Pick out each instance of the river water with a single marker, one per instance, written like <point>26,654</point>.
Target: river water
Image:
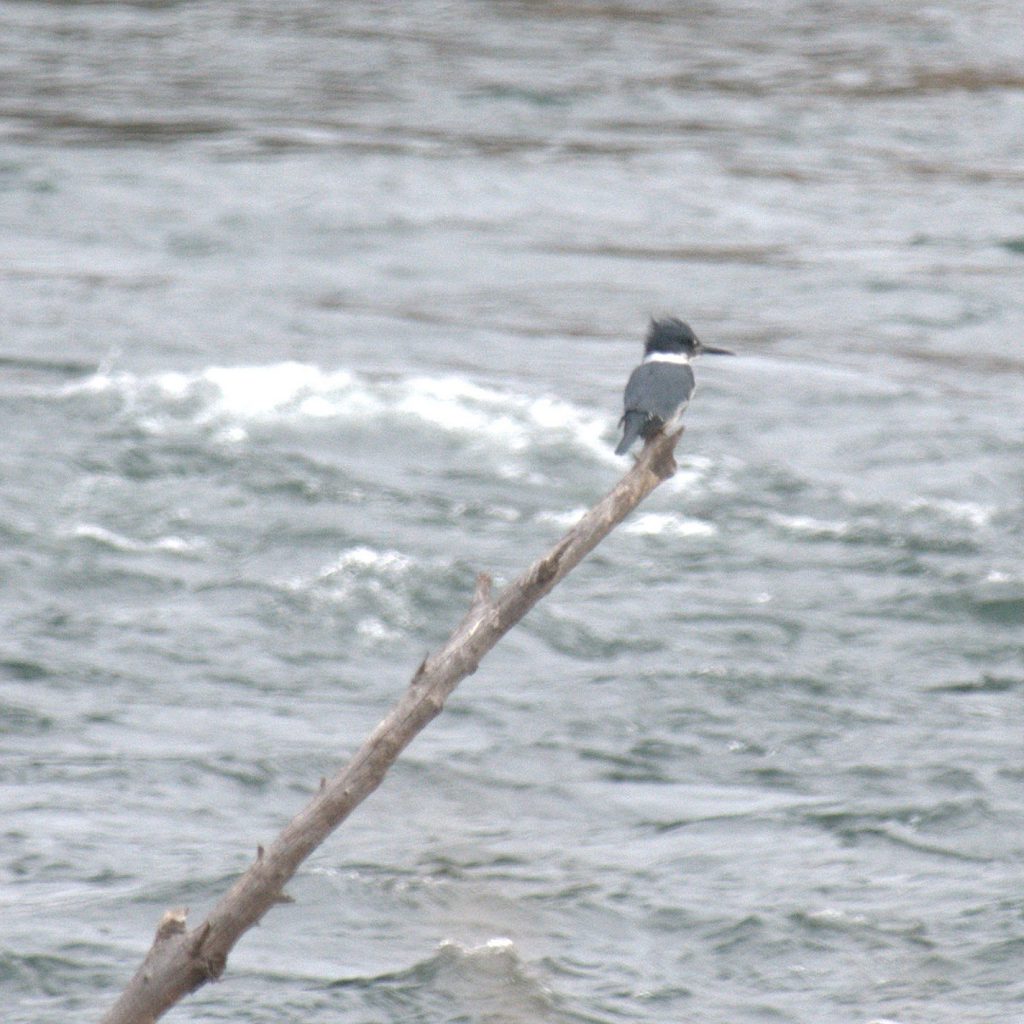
<point>312,311</point>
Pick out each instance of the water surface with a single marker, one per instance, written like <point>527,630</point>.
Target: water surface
<point>311,313</point>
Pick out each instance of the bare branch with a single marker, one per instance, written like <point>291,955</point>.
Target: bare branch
<point>180,961</point>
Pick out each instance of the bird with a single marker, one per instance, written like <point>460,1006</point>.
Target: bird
<point>659,389</point>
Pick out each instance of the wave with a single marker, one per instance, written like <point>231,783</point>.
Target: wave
<point>490,981</point>
<point>108,538</point>
<point>648,524</point>
<point>918,524</point>
<point>968,513</point>
<point>563,520</point>
<point>997,600</point>
<point>385,592</point>
<point>230,400</point>
<point>387,563</point>
<point>654,524</point>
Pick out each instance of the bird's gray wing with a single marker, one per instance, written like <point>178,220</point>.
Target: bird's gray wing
<point>659,389</point>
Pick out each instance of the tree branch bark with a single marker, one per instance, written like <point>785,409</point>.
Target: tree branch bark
<point>182,960</point>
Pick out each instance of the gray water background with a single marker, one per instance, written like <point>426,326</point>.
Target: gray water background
<point>310,312</point>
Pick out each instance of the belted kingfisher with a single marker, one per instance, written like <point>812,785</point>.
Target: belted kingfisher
<point>659,389</point>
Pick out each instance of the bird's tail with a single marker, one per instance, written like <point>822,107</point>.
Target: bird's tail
<point>632,424</point>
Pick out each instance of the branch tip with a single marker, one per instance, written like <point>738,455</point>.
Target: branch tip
<point>419,673</point>
<point>200,937</point>
<point>482,593</point>
<point>547,569</point>
<point>172,923</point>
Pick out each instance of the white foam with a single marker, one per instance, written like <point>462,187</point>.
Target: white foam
<point>231,435</point>
<point>832,917</point>
<point>98,382</point>
<point>239,393</point>
<point>562,519</point>
<point>460,418</point>
<point>515,421</point>
<point>504,513</point>
<point>996,576</point>
<point>376,631</point>
<point>969,512</point>
<point>367,581</point>
<point>174,385</point>
<point>259,392</point>
<point>229,399</point>
<point>692,474</point>
<point>653,524</point>
<point>317,407</point>
<point>362,559</point>
<point>808,525</point>
<point>499,945</point>
<point>100,534</point>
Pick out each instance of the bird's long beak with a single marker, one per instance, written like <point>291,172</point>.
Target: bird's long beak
<point>710,350</point>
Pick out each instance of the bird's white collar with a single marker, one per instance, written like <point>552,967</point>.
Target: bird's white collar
<point>667,357</point>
